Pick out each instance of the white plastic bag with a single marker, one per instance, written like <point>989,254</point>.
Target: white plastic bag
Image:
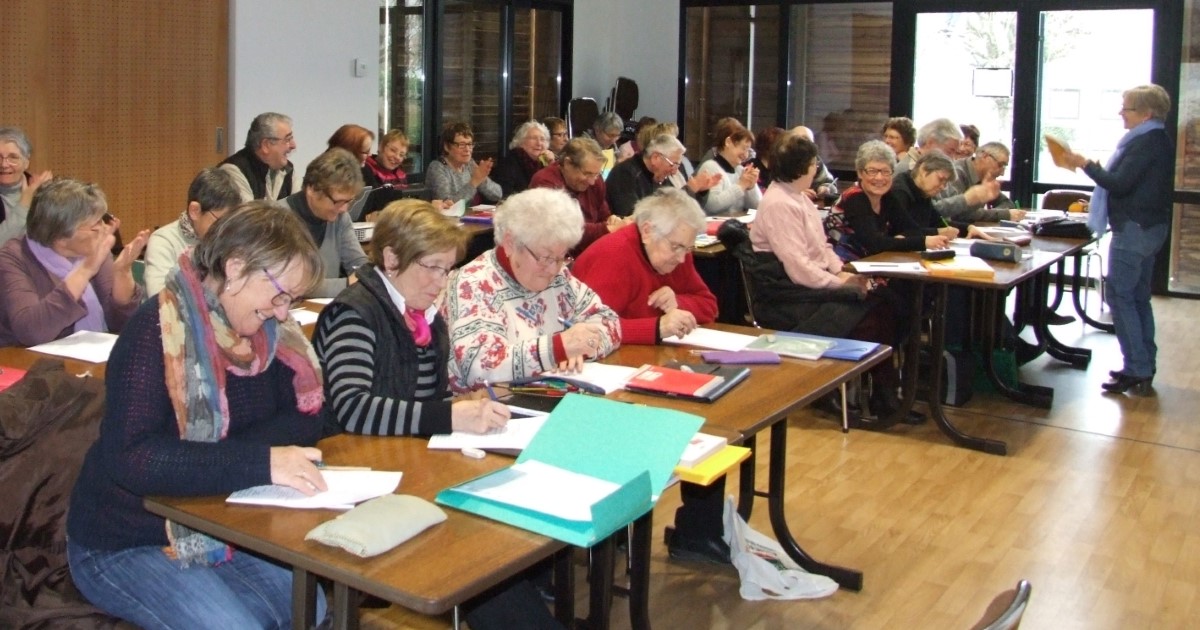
<point>766,571</point>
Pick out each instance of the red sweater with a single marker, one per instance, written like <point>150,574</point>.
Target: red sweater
<point>617,269</point>
<point>593,202</point>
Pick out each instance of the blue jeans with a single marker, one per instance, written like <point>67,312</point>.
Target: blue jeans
<point>143,586</point>
<point>1127,287</point>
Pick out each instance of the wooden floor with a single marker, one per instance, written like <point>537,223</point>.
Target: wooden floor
<point>1097,505</point>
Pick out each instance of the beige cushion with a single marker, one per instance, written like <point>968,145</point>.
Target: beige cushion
<point>377,525</point>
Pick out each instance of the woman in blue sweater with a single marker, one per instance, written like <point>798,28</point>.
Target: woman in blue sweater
<point>1133,195</point>
<point>211,388</point>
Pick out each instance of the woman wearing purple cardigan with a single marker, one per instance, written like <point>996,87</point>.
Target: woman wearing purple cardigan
<point>60,278</point>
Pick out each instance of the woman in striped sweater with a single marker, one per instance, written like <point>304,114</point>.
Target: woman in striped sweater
<point>383,345</point>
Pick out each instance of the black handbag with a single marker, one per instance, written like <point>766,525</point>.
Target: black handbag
<point>1063,228</point>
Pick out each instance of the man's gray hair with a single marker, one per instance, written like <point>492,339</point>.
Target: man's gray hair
<point>609,122</point>
<point>874,151</point>
<point>263,128</point>
<point>16,136</point>
<point>663,144</point>
<point>540,216</point>
<point>666,209</point>
<point>524,129</point>
<point>938,132</point>
<point>993,147</point>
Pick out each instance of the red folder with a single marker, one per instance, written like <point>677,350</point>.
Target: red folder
<point>665,380</point>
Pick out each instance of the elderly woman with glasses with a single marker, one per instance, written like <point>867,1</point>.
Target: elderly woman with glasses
<point>386,167</point>
<point>516,310</point>
<point>331,182</point>
<point>218,390</point>
<point>914,191</point>
<point>382,343</point>
<point>17,185</point>
<point>528,153</point>
<point>456,176</point>
<point>867,219</point>
<point>60,278</point>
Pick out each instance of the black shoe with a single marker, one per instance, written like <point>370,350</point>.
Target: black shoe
<point>1116,373</point>
<point>690,549</point>
<point>1054,319</point>
<point>1122,383</point>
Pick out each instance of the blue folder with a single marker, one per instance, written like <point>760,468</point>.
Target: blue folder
<point>845,349</point>
<point>633,446</point>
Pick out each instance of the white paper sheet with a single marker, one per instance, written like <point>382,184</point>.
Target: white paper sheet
<point>609,378</point>
<point>84,345</point>
<point>515,435</point>
<point>713,339</point>
<point>304,317</point>
<point>325,301</point>
<point>346,487</point>
<point>875,267</point>
<point>537,486</point>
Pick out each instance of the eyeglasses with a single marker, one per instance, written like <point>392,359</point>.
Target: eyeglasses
<point>558,134</point>
<point>288,139</point>
<point>1003,164</point>
<point>1128,109</point>
<point>877,172</point>
<point>438,272</point>
<point>680,248</point>
<point>283,298</point>
<point>673,163</point>
<point>547,261</point>
<point>11,159</point>
<point>462,145</point>
<point>337,203</point>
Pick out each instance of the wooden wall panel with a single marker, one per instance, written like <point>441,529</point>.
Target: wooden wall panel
<point>125,93</point>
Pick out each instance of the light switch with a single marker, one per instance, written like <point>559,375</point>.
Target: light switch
<point>360,68</point>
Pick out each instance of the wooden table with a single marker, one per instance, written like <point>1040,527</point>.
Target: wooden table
<point>1031,275</point>
<point>763,401</point>
<point>439,569</point>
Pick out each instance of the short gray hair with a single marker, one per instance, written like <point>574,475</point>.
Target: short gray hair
<point>666,209</point>
<point>663,144</point>
<point>16,136</point>
<point>993,147</point>
<point>1150,98</point>
<point>524,129</point>
<point>263,128</point>
<point>874,151</point>
<point>934,161</point>
<point>938,131</point>
<point>609,122</point>
<point>581,148</point>
<point>541,216</point>
<point>213,189</point>
<point>60,206</point>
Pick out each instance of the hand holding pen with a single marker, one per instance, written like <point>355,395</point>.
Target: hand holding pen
<point>479,415</point>
<point>581,339</point>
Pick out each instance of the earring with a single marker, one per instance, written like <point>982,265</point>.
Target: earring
<point>226,286</point>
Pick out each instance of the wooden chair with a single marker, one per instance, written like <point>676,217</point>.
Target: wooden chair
<point>1006,609</point>
<point>581,113</point>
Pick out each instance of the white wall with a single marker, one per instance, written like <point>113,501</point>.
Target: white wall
<point>638,39</point>
<point>296,57</point>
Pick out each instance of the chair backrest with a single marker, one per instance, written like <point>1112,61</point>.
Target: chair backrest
<point>1061,199</point>
<point>581,113</point>
<point>624,98</point>
<point>1006,610</point>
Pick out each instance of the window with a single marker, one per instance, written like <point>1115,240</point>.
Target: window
<point>402,76</point>
<point>537,66</point>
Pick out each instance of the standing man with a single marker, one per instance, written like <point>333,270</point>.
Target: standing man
<point>261,169</point>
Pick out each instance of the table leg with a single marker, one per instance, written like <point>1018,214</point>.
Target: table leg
<point>304,599</point>
<point>564,587</point>
<point>1076,276</point>
<point>847,578</point>
<point>639,571</point>
<point>1076,357</point>
<point>937,343</point>
<point>600,584</point>
<point>992,312</point>
<point>345,607</point>
<point>746,490</point>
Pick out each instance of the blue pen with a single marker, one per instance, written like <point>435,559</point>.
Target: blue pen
<point>490,391</point>
<point>567,323</point>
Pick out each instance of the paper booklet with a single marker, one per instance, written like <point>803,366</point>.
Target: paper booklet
<point>346,488</point>
<point>793,346</point>
<point>1059,148</point>
<point>960,267</point>
<point>711,338</point>
<point>595,378</point>
<point>85,345</point>
<point>515,436</point>
<point>704,382</point>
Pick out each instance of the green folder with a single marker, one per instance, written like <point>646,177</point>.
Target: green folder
<point>633,446</point>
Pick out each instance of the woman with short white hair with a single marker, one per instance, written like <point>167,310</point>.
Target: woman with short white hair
<point>516,310</point>
<point>528,153</point>
<point>16,184</point>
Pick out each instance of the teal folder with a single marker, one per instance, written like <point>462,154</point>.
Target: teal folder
<point>633,446</point>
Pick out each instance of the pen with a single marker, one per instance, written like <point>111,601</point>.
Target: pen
<point>491,392</point>
<point>567,323</point>
<point>323,466</point>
